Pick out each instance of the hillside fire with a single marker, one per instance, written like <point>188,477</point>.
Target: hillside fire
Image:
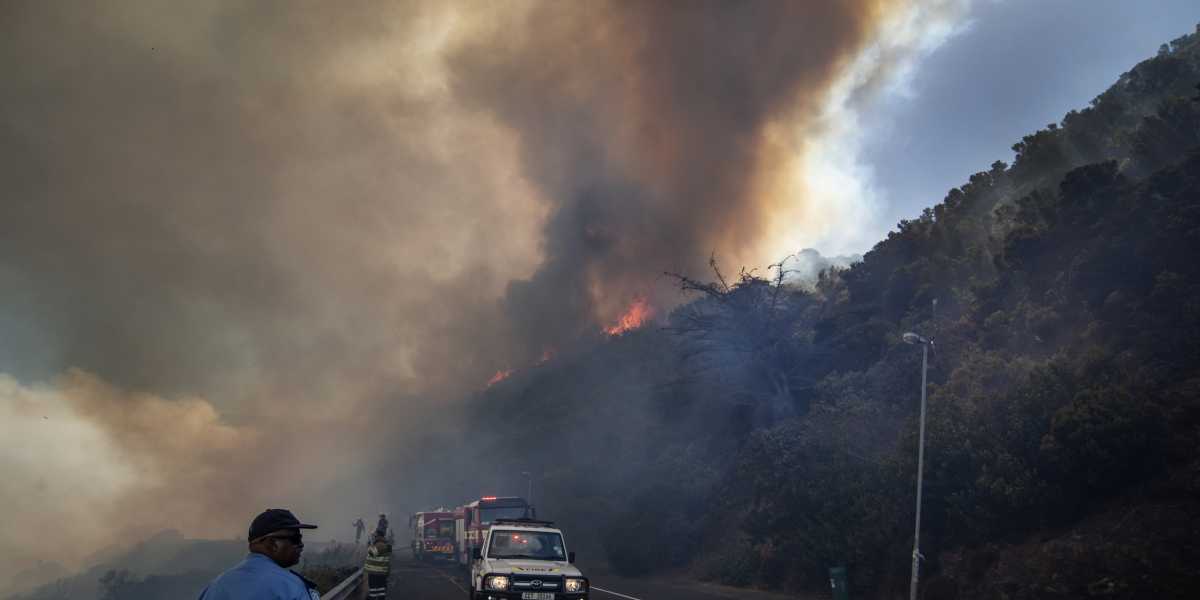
<point>638,314</point>
<point>499,376</point>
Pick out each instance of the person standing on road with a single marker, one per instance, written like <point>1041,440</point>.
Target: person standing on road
<point>381,528</point>
<point>377,568</point>
<point>359,527</point>
<point>275,544</point>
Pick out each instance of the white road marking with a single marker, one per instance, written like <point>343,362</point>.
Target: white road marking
<point>450,579</point>
<point>600,589</point>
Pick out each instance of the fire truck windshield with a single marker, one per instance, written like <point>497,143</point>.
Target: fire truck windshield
<point>535,545</point>
<point>442,528</point>
<point>487,515</point>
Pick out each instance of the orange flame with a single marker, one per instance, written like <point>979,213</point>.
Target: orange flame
<point>499,376</point>
<point>547,354</point>
<point>639,313</point>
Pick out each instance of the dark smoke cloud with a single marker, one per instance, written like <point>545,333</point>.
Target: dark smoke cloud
<point>647,126</point>
<point>310,223</point>
<point>254,209</point>
<point>210,199</point>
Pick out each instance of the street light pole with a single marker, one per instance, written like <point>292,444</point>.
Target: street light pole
<point>913,338</point>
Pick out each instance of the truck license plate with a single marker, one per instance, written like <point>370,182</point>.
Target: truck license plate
<point>537,595</point>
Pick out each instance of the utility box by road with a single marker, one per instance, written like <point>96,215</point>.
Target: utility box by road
<point>837,581</point>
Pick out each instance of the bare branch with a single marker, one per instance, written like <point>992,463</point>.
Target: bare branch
<point>712,262</point>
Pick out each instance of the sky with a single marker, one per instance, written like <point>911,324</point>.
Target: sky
<point>248,248</point>
<point>1013,67</point>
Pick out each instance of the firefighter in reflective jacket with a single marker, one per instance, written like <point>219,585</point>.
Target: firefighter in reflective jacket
<point>377,567</point>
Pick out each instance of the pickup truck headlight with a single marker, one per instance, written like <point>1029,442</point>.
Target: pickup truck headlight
<point>498,583</point>
<point>574,585</point>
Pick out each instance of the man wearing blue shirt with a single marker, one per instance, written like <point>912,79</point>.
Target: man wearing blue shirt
<point>275,545</point>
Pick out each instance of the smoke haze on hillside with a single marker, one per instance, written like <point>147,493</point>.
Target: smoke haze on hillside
<point>239,239</point>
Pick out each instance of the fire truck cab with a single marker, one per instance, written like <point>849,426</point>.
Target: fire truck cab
<point>473,520</point>
<point>525,559</point>
<point>434,535</point>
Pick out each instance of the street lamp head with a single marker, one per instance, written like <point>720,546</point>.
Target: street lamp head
<point>912,338</point>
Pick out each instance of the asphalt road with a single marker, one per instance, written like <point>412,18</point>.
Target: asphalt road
<point>415,580</point>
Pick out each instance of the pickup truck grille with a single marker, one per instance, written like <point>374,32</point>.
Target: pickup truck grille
<point>533,583</point>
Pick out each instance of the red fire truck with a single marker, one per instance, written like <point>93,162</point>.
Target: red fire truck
<point>473,520</point>
<point>434,534</point>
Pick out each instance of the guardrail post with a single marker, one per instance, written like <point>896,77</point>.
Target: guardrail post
<point>345,590</point>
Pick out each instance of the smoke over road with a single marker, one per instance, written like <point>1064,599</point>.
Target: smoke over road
<point>236,237</point>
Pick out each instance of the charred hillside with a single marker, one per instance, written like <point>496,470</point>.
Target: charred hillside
<point>766,432</point>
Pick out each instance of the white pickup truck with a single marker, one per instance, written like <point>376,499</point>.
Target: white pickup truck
<point>525,559</point>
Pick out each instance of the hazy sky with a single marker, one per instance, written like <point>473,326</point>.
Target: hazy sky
<point>1016,66</point>
<point>247,246</point>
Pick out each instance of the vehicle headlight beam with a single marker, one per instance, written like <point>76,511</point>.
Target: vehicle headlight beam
<point>497,583</point>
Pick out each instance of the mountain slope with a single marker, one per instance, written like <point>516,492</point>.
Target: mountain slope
<point>768,432</point>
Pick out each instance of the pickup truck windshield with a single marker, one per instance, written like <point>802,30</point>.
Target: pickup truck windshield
<point>535,545</point>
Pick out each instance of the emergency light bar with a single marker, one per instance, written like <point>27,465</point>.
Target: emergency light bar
<point>525,522</point>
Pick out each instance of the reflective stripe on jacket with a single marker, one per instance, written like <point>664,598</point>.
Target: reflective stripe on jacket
<point>379,559</point>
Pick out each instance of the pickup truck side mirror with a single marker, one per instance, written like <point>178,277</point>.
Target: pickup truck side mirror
<point>571,557</point>
<point>478,554</point>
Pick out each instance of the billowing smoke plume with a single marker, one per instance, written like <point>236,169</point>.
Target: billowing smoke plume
<point>291,227</point>
<point>660,132</point>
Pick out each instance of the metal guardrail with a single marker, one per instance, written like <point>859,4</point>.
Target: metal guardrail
<point>346,588</point>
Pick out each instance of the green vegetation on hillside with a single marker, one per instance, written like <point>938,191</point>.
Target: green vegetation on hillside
<point>768,432</point>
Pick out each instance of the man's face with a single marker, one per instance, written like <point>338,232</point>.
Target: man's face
<point>285,547</point>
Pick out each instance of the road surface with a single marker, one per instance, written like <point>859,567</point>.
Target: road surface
<point>411,579</point>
